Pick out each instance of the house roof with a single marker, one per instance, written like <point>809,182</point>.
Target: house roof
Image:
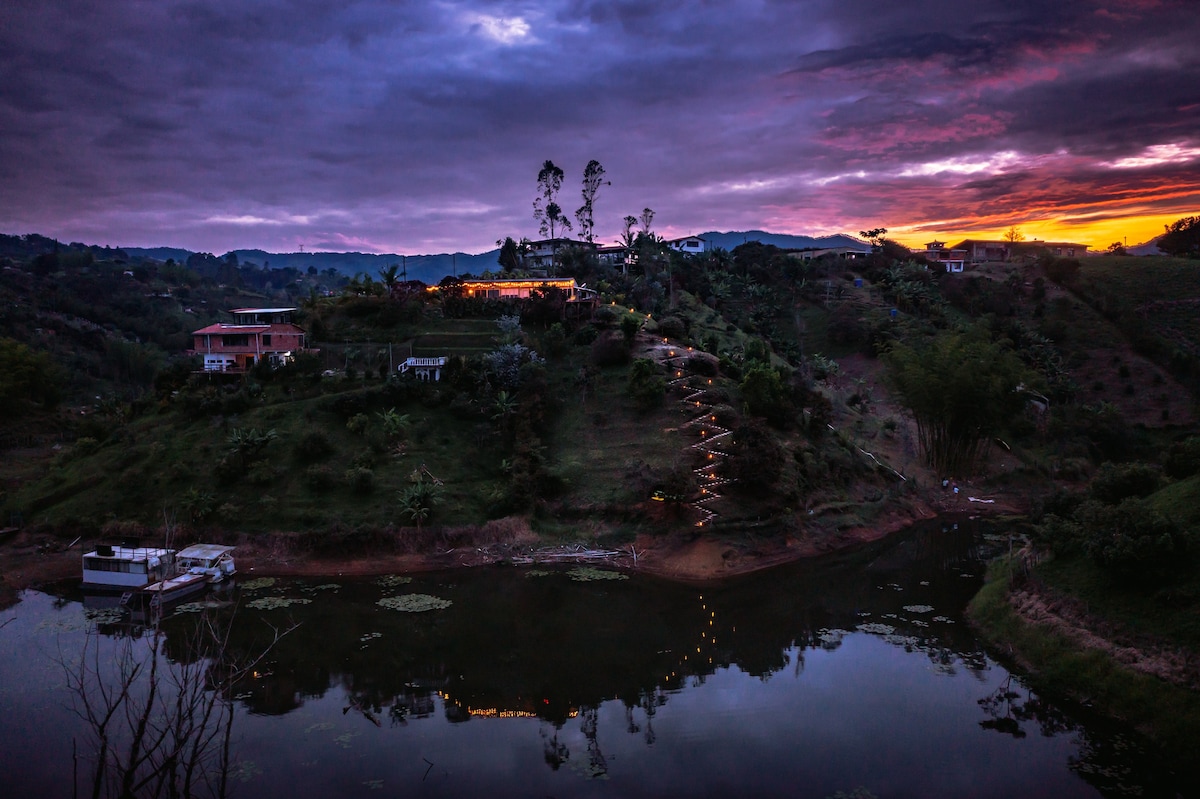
<point>261,310</point>
<point>231,329</point>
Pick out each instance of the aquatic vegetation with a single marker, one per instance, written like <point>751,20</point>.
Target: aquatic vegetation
<point>538,573</point>
<point>414,603</point>
<point>345,739</point>
<point>875,628</point>
<point>312,589</point>
<point>258,583</point>
<point>943,619</point>
<point>393,580</point>
<point>320,726</point>
<point>198,606</point>
<point>103,615</point>
<point>831,639</point>
<point>369,636</point>
<point>245,771</point>
<point>374,785</point>
<point>919,608</point>
<point>586,574</point>
<point>276,602</point>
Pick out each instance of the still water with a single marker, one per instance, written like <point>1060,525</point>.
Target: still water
<point>853,677</point>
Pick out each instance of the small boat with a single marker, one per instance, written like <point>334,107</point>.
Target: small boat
<point>173,588</point>
<point>213,560</point>
<point>127,566</point>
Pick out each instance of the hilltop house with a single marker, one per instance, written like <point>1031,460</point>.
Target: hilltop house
<point>543,253</point>
<point>521,288</point>
<point>982,251</point>
<point>953,259</point>
<point>849,251</point>
<point>255,335</point>
<point>692,245</point>
<point>427,369</point>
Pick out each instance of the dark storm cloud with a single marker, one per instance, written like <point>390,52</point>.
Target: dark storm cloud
<point>416,126</point>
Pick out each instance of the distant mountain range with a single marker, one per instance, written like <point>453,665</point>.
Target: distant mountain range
<point>432,268</point>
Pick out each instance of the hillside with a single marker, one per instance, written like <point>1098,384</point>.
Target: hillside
<point>741,393</point>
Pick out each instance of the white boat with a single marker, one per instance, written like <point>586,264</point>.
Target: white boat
<point>176,587</point>
<point>121,567</point>
<point>213,560</point>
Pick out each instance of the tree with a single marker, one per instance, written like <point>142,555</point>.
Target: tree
<point>1117,248</point>
<point>509,258</point>
<point>1182,238</point>
<point>593,179</point>
<point>875,237</point>
<point>646,218</point>
<point>1013,235</point>
<point>546,211</point>
<point>390,275</point>
<point>28,376</point>
<point>646,386</point>
<point>961,389</point>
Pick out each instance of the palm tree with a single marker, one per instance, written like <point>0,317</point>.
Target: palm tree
<point>390,277</point>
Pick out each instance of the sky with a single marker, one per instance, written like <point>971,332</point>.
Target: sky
<point>420,127</point>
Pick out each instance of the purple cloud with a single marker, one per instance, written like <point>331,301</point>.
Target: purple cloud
<point>419,127</point>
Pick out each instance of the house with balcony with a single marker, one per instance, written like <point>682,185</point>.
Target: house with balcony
<point>254,335</point>
<point>953,259</point>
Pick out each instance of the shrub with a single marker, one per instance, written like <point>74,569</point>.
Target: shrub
<point>312,446</point>
<point>672,327</point>
<point>1114,482</point>
<point>360,479</point>
<point>1132,541</point>
<point>609,350</point>
<point>1183,458</point>
<point>319,478</point>
<point>646,386</point>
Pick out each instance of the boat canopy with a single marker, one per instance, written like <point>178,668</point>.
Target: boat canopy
<point>203,552</point>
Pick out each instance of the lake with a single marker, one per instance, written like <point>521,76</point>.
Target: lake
<point>850,677</point>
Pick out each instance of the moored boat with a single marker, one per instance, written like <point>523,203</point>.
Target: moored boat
<point>127,566</point>
<point>213,560</point>
<point>175,587</point>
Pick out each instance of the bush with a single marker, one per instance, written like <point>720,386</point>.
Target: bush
<point>609,350</point>
<point>312,446</point>
<point>319,478</point>
<point>360,479</point>
<point>672,327</point>
<point>1183,458</point>
<point>1114,483</point>
<point>1132,541</point>
<point>646,386</point>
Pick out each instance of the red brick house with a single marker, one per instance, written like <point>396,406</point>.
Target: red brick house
<point>255,335</point>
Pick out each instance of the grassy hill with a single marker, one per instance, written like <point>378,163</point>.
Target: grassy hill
<point>571,437</point>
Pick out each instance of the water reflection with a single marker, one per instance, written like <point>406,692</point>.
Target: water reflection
<point>809,680</point>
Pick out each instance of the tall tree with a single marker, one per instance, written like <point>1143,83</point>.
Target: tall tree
<point>546,211</point>
<point>1013,235</point>
<point>509,258</point>
<point>390,275</point>
<point>593,179</point>
<point>646,219</point>
<point>961,388</point>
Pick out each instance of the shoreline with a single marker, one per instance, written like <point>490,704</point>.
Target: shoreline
<point>677,556</point>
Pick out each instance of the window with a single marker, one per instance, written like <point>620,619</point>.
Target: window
<point>266,339</point>
<point>235,341</point>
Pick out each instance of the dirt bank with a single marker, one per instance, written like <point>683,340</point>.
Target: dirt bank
<point>30,560</point>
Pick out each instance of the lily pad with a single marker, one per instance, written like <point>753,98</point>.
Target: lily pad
<point>414,603</point>
<point>538,573</point>
<point>276,602</point>
<point>875,628</point>
<point>585,574</point>
<point>393,580</point>
<point>919,608</point>
<point>258,583</point>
